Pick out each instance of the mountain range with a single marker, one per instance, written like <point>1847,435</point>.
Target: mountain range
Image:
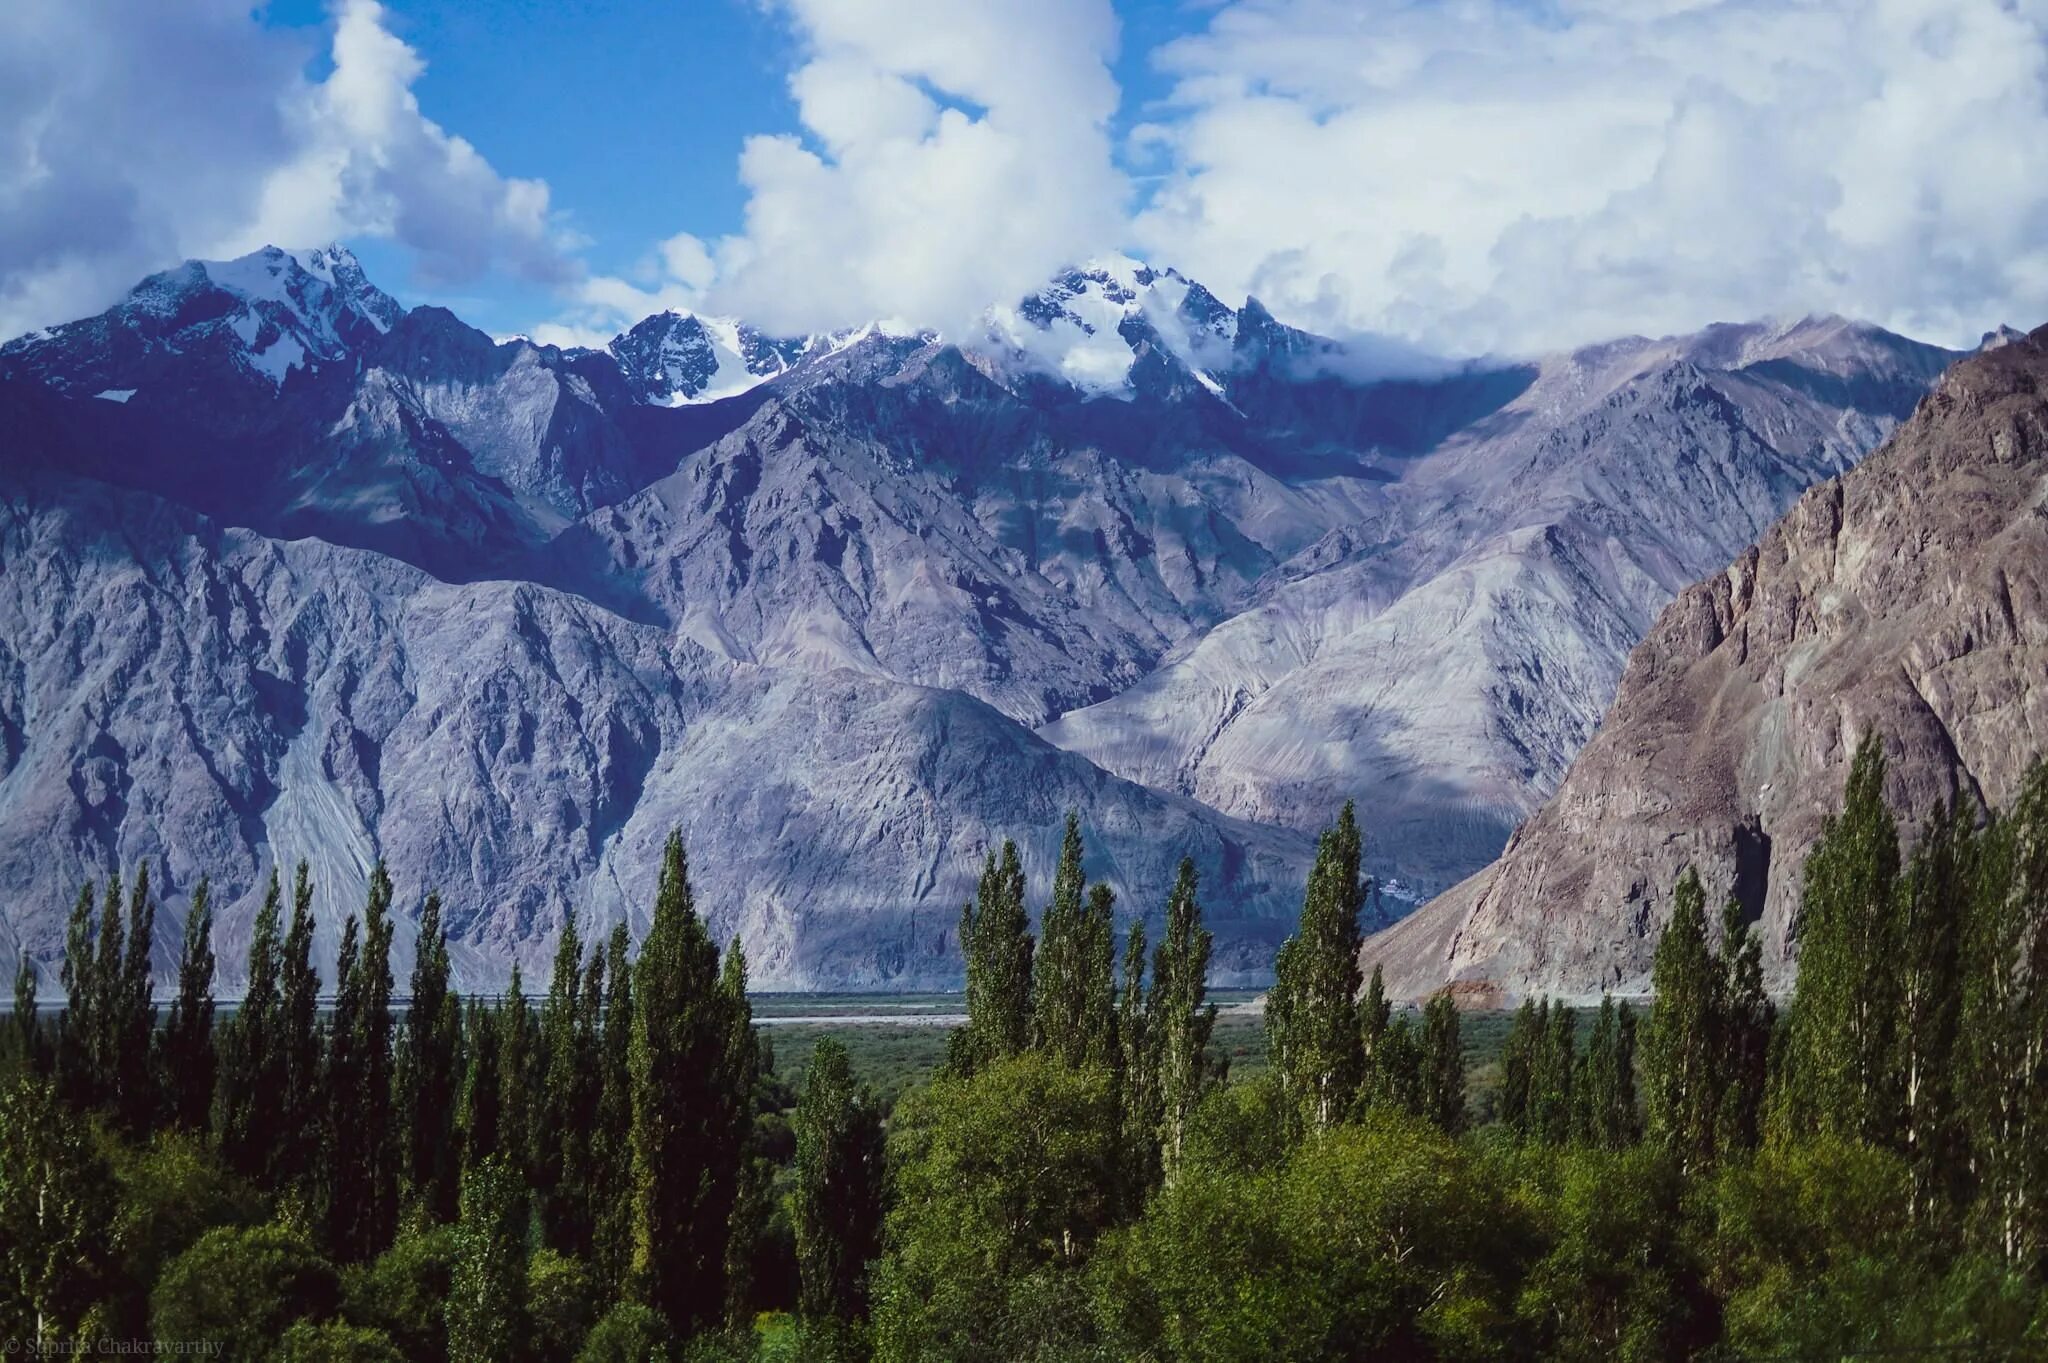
<point>288,570</point>
<point>1906,599</point>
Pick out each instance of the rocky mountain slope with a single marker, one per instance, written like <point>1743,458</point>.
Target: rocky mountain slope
<point>1443,658</point>
<point>1908,597</point>
<point>292,569</point>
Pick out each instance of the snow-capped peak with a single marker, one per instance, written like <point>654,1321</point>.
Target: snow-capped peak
<point>1088,325</point>
<point>674,357</point>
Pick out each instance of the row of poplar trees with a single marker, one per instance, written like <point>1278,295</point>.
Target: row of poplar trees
<point>1338,1053</point>
<point>1058,994</point>
<point>612,1124</point>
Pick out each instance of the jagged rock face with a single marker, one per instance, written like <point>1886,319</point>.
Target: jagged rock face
<point>1907,598</point>
<point>209,699</point>
<point>1442,660</point>
<point>673,358</point>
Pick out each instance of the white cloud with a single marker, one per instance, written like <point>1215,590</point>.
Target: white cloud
<point>1488,175</point>
<point>133,136</point>
<point>959,155</point>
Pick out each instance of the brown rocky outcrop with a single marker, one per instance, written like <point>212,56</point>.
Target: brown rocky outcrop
<point>1909,597</point>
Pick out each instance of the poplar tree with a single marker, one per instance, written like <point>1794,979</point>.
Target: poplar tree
<point>1604,1091</point>
<point>28,1033</point>
<point>300,1102</point>
<point>836,1205</point>
<point>682,1189</point>
<point>362,1173</point>
<point>1517,1066</point>
<point>995,939</point>
<point>134,1028</point>
<point>251,1063</point>
<point>486,1311</point>
<point>1180,1019</point>
<point>78,1023</point>
<point>1058,994</point>
<point>1375,1013</point>
<point>1681,1050</point>
<point>188,1052</point>
<point>1139,1101</point>
<point>1743,1022</point>
<point>1933,900</point>
<point>738,1183</point>
<point>1312,1026</point>
<point>429,1072</point>
<point>1845,1008</point>
<point>1443,1065</point>
<point>105,1008</point>
<point>481,1124</point>
<point>611,1144</point>
<point>2005,1027</point>
<point>1551,1108</point>
<point>1396,1081</point>
<point>517,1044</point>
<point>554,1108</point>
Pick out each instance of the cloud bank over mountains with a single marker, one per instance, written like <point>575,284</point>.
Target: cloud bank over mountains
<point>1478,176</point>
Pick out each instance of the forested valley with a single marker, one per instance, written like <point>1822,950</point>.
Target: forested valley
<point>619,1170</point>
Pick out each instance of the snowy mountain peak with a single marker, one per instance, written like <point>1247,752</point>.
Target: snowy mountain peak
<point>673,358</point>
<point>265,314</point>
<point>1091,323</point>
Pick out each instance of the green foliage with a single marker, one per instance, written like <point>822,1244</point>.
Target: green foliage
<point>428,1076</point>
<point>559,1136</point>
<point>1314,1041</point>
<point>1073,997</point>
<point>244,1288</point>
<point>1443,1066</point>
<point>689,1122</point>
<point>629,1333</point>
<point>1744,1018</point>
<point>169,1193</point>
<point>1179,1019</point>
<point>995,940</point>
<point>301,1110</point>
<point>335,1342</point>
<point>1003,1181</point>
<point>487,1284</point>
<point>403,1292</point>
<point>56,1200</point>
<point>1379,1240</point>
<point>1933,907</point>
<point>1604,1091</point>
<point>1617,1278</point>
<point>837,1203</point>
<point>561,1304</point>
<point>1681,1094</point>
<point>361,1143</point>
<point>1845,1008</point>
<point>251,1062</point>
<point>611,1144</point>
<point>187,1047</point>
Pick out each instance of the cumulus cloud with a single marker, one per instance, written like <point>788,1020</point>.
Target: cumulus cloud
<point>133,136</point>
<point>1495,176</point>
<point>955,155</point>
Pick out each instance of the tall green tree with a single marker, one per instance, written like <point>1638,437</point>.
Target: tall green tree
<point>134,1029</point>
<point>1443,1065</point>
<point>361,1141</point>
<point>1180,1019</point>
<point>1517,1066</point>
<point>739,1075</point>
<point>1140,1104</point>
<point>1845,1008</point>
<point>1743,1022</point>
<point>683,1127</point>
<point>1681,1051</point>
<point>481,1120</point>
<point>301,1105</point>
<point>1073,987</point>
<point>28,1032</point>
<point>2005,1028</point>
<point>518,1046</point>
<point>995,939</point>
<point>1551,1106</point>
<point>251,1077</point>
<point>78,1023</point>
<point>487,1290</point>
<point>611,1141</point>
<point>429,1070</point>
<point>1313,1037</point>
<point>107,1008</point>
<point>57,1201</point>
<point>837,1204</point>
<point>188,1050</point>
<point>1605,1090</point>
<point>555,1116</point>
<point>1933,906</point>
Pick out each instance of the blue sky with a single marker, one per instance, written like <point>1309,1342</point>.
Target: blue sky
<point>1466,176</point>
<point>633,111</point>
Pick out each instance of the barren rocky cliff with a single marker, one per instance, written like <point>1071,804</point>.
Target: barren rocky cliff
<point>1908,597</point>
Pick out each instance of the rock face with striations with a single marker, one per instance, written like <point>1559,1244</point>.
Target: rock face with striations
<point>1908,597</point>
